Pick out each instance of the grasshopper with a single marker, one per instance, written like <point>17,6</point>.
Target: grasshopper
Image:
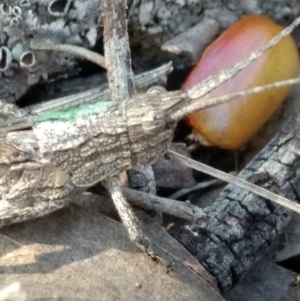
<point>49,158</point>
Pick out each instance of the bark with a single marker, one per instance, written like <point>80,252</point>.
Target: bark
<point>242,226</point>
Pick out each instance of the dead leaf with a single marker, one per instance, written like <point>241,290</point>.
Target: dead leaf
<point>75,254</point>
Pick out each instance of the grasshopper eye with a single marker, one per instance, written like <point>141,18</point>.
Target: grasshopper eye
<point>154,122</point>
<point>156,90</point>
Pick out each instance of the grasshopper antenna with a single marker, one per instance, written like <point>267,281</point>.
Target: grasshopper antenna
<point>193,105</point>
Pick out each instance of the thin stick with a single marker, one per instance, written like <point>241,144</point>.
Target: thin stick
<point>75,50</point>
<point>152,202</point>
<point>143,80</point>
<point>180,193</point>
<point>117,50</point>
<point>238,182</point>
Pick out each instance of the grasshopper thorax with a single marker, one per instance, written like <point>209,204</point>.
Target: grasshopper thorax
<point>149,131</point>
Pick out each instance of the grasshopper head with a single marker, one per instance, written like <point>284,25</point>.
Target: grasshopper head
<point>150,129</point>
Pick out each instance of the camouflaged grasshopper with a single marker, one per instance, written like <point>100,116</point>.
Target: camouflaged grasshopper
<point>47,159</point>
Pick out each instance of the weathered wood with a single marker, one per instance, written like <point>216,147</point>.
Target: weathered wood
<point>265,281</point>
<point>242,226</point>
<point>117,51</point>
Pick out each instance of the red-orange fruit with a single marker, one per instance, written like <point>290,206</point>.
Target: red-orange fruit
<point>232,124</point>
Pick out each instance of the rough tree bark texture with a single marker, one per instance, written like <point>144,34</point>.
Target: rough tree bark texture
<point>242,226</point>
